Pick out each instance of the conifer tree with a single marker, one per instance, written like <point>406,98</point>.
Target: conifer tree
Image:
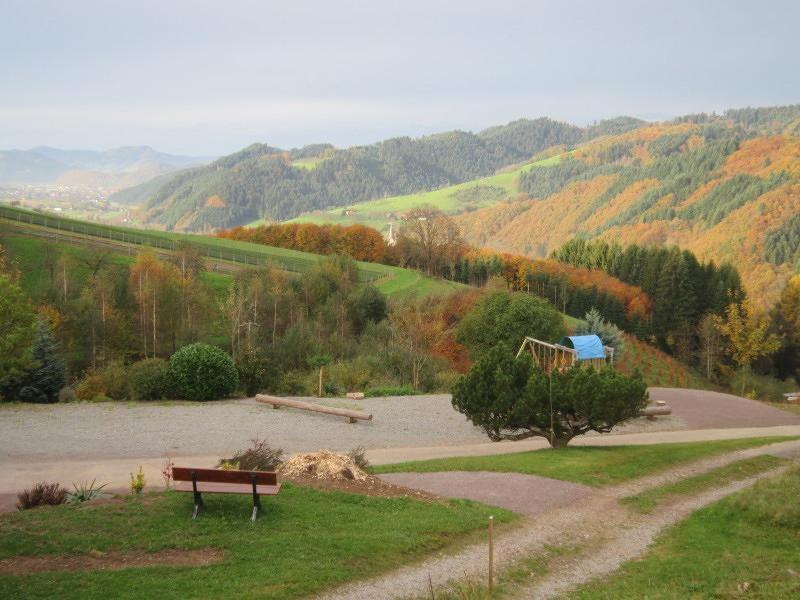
<point>43,383</point>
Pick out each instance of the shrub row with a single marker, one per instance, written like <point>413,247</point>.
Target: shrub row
<point>194,372</point>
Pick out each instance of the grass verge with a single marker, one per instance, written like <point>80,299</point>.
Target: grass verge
<point>306,541</point>
<point>647,501</point>
<point>742,546</point>
<point>590,465</point>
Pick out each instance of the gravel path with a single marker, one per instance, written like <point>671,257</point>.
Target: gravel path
<point>630,536</point>
<point>528,495</point>
<point>701,409</point>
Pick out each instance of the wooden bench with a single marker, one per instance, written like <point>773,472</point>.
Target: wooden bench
<point>217,481</point>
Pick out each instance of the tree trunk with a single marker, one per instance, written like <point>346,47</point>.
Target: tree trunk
<point>560,441</point>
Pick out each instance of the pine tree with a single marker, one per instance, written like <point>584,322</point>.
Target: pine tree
<point>43,383</point>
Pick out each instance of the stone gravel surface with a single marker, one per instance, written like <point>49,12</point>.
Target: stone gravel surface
<point>121,429</point>
<point>525,494</point>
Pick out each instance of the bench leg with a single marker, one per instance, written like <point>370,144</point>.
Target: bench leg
<point>198,504</point>
<point>256,506</point>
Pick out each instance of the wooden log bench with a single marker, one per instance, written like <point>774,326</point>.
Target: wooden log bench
<point>350,415</point>
<point>218,481</point>
<point>659,409</point>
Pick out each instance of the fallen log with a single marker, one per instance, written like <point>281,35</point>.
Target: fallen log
<point>350,415</point>
<point>651,412</point>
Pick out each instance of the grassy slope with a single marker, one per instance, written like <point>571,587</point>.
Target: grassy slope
<point>658,368</point>
<point>743,546</point>
<point>393,281</point>
<point>304,542</point>
<point>648,500</point>
<point>590,465</point>
<point>373,213</point>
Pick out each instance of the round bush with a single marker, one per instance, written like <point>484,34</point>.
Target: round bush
<point>148,379</point>
<point>202,372</point>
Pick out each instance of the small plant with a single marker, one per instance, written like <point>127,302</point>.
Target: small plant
<point>166,472</point>
<point>41,494</point>
<point>84,492</point>
<point>359,457</point>
<point>258,457</point>
<point>226,465</point>
<point>137,481</point>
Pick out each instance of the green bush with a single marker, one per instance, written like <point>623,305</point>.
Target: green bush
<point>148,379</point>
<point>111,382</point>
<point>397,390</point>
<point>512,400</point>
<point>508,317</point>
<point>202,372</point>
<point>351,375</point>
<point>256,373</point>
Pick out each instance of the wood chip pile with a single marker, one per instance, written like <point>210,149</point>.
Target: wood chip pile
<point>324,465</point>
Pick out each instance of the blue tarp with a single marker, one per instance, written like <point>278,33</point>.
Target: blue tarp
<point>588,346</point>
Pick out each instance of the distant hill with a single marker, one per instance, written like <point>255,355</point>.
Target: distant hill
<point>262,182</point>
<point>118,167</point>
<point>726,188</point>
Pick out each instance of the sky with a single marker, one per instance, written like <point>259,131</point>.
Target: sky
<point>209,77</point>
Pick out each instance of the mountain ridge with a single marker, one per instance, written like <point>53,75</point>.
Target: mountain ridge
<point>118,166</point>
<point>261,181</point>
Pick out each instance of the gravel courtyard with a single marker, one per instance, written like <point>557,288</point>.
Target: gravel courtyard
<point>120,429</point>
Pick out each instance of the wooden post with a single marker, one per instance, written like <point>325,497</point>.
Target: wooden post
<point>491,553</point>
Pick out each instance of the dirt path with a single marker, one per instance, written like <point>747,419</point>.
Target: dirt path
<point>527,495</point>
<point>633,536</point>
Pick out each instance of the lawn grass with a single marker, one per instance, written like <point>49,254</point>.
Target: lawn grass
<point>743,546</point>
<point>304,542</point>
<point>647,501</point>
<point>591,465</point>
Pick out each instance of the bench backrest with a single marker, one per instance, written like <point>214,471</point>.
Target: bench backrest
<point>221,476</point>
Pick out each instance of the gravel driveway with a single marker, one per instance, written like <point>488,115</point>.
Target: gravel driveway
<point>701,409</point>
<point>120,429</point>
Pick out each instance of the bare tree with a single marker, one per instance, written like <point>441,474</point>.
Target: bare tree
<point>429,240</point>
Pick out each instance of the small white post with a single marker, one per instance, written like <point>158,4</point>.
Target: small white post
<point>491,553</point>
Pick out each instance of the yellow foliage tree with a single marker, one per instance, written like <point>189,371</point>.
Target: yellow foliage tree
<point>746,331</point>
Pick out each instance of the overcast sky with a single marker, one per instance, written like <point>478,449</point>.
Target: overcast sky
<point>201,77</point>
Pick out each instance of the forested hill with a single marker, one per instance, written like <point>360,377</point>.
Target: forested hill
<point>727,189</point>
<point>265,182</point>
